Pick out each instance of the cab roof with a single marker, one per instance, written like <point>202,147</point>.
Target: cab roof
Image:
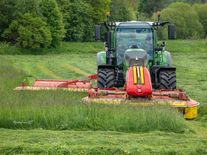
<point>134,24</point>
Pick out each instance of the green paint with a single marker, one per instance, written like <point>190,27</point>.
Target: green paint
<point>163,58</point>
<point>101,58</point>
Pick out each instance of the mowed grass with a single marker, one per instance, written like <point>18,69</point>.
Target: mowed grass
<point>190,59</point>
<point>99,142</point>
<point>64,66</point>
<point>69,61</point>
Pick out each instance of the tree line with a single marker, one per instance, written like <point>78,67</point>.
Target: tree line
<point>45,23</point>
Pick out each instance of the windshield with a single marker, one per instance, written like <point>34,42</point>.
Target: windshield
<point>133,38</point>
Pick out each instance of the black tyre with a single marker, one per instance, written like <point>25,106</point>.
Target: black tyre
<point>167,80</point>
<point>106,78</point>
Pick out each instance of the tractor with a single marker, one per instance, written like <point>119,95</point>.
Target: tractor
<point>130,44</point>
<point>133,69</point>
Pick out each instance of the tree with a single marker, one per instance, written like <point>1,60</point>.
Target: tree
<point>26,6</point>
<point>195,1</point>
<point>53,17</point>
<point>201,10</point>
<point>65,8</point>
<point>6,14</point>
<point>122,10</point>
<point>99,9</point>
<point>148,7</point>
<point>28,32</point>
<point>185,19</point>
<point>78,19</point>
<point>15,13</point>
<point>134,4</point>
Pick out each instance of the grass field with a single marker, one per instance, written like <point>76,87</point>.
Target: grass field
<point>95,129</point>
<point>98,142</point>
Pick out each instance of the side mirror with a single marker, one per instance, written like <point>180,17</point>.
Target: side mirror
<point>171,32</point>
<point>98,32</point>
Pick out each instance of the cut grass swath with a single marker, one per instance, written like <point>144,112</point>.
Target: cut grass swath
<point>74,69</point>
<point>49,73</point>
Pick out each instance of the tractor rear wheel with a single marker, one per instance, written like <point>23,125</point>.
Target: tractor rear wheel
<point>167,80</point>
<point>106,78</point>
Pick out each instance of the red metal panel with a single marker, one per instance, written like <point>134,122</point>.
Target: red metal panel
<point>62,84</point>
<point>138,90</point>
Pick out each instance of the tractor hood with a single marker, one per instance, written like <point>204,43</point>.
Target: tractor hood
<point>135,57</point>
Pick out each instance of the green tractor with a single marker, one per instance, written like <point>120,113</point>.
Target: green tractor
<point>133,70</point>
<point>137,40</point>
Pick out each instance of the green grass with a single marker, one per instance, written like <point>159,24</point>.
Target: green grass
<point>69,48</point>
<point>69,61</point>
<point>90,142</point>
<point>190,59</point>
<point>61,110</point>
<point>91,126</point>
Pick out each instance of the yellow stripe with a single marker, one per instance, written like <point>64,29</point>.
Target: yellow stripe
<point>142,74</point>
<point>138,74</point>
<point>135,75</point>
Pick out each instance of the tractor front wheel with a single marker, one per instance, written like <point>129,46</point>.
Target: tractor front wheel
<point>105,78</point>
<point>167,80</point>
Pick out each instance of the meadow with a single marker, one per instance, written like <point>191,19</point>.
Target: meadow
<point>59,122</point>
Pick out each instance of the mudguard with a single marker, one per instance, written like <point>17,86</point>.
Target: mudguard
<point>164,58</point>
<point>101,58</point>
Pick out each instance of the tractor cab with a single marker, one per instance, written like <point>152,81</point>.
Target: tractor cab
<point>134,35</point>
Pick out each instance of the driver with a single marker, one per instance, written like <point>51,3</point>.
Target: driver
<point>132,40</point>
<point>133,46</point>
<point>121,48</point>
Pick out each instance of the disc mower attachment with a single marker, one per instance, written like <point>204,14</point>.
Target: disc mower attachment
<point>138,91</point>
<point>174,98</point>
<point>70,85</point>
